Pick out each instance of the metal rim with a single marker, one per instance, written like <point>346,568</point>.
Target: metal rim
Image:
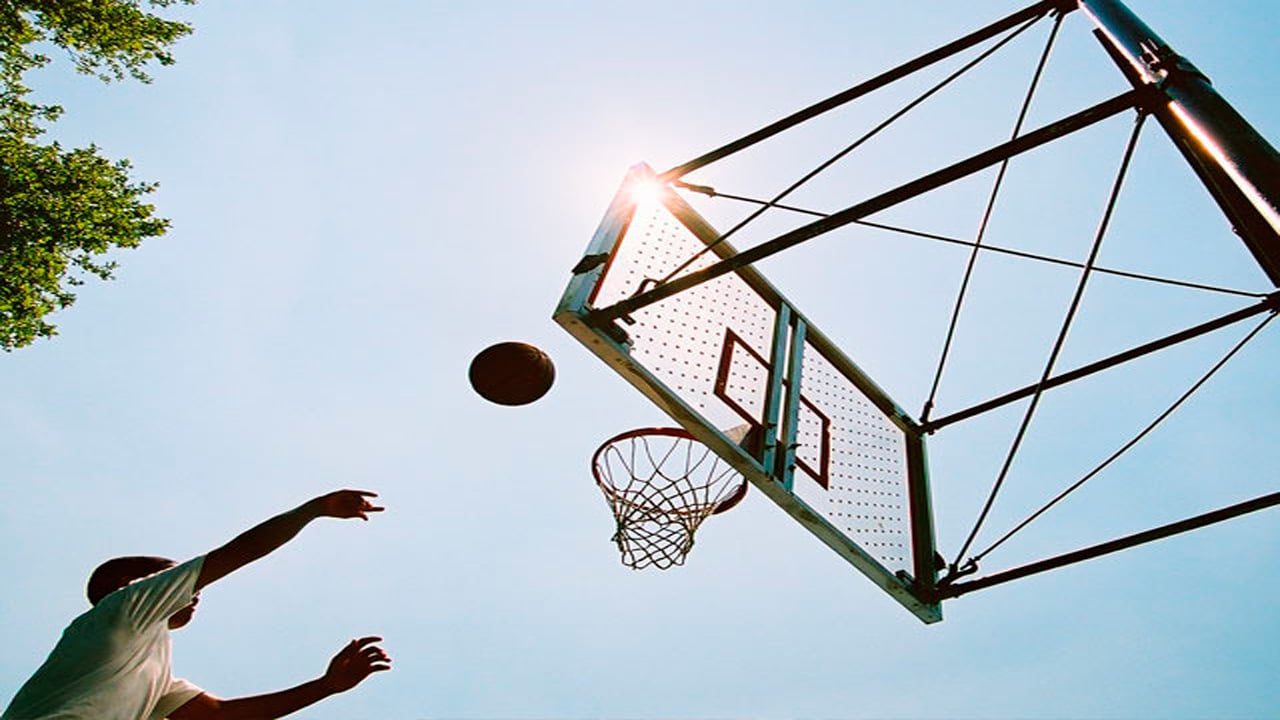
<point>724,505</point>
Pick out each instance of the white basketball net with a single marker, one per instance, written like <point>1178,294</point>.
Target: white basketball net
<point>661,484</point>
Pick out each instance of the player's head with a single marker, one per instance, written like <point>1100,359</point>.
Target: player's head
<point>118,572</point>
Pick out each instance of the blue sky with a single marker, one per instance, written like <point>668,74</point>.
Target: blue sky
<point>363,198</point>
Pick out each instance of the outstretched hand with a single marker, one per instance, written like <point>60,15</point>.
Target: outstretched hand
<point>266,536</point>
<point>355,662</point>
<point>346,504</point>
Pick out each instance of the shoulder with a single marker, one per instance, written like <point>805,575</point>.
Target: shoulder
<point>181,694</point>
<point>154,598</point>
<point>178,575</point>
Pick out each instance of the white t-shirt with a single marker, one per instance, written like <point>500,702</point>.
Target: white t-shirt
<point>112,662</point>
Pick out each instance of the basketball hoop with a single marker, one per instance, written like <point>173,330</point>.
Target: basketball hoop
<point>661,483</point>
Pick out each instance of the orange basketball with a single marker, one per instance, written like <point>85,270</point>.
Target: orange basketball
<point>512,373</point>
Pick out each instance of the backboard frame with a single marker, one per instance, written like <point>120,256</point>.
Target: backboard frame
<point>773,471</point>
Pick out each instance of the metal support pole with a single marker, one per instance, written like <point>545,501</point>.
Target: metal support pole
<point>1240,169</point>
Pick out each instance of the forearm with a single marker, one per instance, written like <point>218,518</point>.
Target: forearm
<point>355,662</point>
<point>276,704</point>
<point>256,542</point>
<point>267,536</point>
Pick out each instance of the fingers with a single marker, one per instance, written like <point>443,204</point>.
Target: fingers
<point>349,504</point>
<point>356,661</point>
<point>365,505</point>
<point>374,657</point>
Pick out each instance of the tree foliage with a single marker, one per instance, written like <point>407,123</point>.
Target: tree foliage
<point>62,210</point>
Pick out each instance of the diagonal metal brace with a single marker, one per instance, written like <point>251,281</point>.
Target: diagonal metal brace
<point>1270,303</point>
<point>1113,546</point>
<point>1085,118</point>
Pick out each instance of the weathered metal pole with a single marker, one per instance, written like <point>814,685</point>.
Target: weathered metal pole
<point>1238,166</point>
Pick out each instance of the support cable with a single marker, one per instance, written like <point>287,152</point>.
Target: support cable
<point>1133,441</point>
<point>1123,102</point>
<point>1145,277</point>
<point>1035,11</point>
<point>955,570</point>
<point>986,219</point>
<point>840,155</point>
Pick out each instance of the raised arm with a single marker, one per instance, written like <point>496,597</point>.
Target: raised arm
<point>355,662</point>
<point>264,538</point>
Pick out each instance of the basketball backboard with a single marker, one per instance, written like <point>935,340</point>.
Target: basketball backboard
<point>691,322</point>
<point>839,456</point>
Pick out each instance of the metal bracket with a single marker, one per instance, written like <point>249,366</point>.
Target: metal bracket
<point>1164,61</point>
<point>590,262</point>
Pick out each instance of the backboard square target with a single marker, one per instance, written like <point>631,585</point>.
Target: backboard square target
<point>729,351</point>
<point>742,383</point>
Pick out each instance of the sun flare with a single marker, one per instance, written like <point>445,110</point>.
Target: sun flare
<point>646,191</point>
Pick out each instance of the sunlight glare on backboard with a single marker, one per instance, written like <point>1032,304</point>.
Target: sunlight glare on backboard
<point>645,191</point>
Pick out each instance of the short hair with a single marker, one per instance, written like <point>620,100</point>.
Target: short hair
<point>118,572</point>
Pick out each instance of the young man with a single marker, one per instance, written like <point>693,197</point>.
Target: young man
<point>112,662</point>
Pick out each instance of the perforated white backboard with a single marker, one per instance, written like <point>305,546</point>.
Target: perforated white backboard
<point>839,456</point>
